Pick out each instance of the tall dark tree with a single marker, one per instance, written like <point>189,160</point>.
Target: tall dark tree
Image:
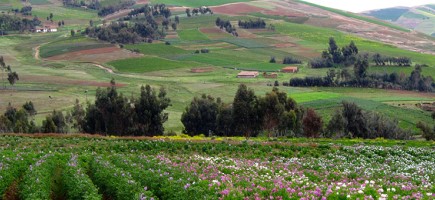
<point>361,67</point>
<point>334,51</point>
<point>245,116</point>
<point>3,69</point>
<point>30,108</point>
<point>356,123</point>
<point>312,123</point>
<point>149,110</point>
<point>337,125</point>
<point>224,121</point>
<point>200,116</point>
<point>272,110</point>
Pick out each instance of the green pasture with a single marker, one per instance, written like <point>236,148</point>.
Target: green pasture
<point>9,4</point>
<point>192,35</point>
<point>149,64</point>
<point>70,44</point>
<point>39,2</point>
<point>157,49</point>
<point>63,13</point>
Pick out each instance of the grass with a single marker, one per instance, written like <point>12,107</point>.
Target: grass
<point>196,3</point>
<point>157,49</point>
<point>192,35</point>
<point>63,13</point>
<point>149,64</point>
<point>355,16</point>
<point>39,2</point>
<point>245,43</point>
<point>70,44</point>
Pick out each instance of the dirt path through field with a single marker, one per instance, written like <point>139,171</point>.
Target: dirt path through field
<point>104,68</point>
<point>37,57</point>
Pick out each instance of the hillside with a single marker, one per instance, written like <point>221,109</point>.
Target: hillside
<point>420,18</point>
<point>197,57</point>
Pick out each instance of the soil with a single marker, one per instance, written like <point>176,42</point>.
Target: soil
<point>99,55</point>
<point>235,9</point>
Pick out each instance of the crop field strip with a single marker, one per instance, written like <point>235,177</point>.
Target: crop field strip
<point>78,167</point>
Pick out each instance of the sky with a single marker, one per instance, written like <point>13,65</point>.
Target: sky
<point>364,5</point>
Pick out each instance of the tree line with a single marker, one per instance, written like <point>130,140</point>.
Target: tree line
<point>381,60</point>
<point>361,78</point>
<point>276,114</point>
<point>249,115</point>
<point>347,56</point>
<point>14,23</point>
<point>154,10</point>
<point>286,60</point>
<point>121,32</point>
<point>111,113</point>
<point>90,4</point>
<point>12,76</point>
<point>196,11</point>
<point>250,24</point>
<point>227,26</point>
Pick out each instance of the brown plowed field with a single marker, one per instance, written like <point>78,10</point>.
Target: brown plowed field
<point>100,55</point>
<point>235,9</point>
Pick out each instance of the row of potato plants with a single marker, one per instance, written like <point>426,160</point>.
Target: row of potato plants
<point>77,183</point>
<point>116,182</point>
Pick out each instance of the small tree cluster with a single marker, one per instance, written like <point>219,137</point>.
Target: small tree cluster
<point>116,114</point>
<point>351,121</point>
<point>226,24</point>
<point>381,60</point>
<point>12,76</point>
<point>290,60</point>
<point>14,23</point>
<point>196,11</point>
<point>152,10</point>
<point>127,33</point>
<point>361,78</point>
<point>334,55</point>
<point>252,24</point>
<point>247,115</point>
<point>107,10</point>
<point>18,121</point>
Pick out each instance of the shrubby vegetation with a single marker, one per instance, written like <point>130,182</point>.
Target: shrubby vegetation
<point>381,60</point>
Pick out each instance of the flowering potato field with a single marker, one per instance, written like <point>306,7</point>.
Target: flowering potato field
<point>106,168</point>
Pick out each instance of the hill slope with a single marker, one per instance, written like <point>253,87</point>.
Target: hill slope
<point>420,18</point>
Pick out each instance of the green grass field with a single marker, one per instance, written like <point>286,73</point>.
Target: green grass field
<point>157,49</point>
<point>70,44</point>
<point>149,64</point>
<point>191,35</point>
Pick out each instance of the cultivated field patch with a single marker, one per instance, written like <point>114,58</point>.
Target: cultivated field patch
<point>148,64</point>
<point>97,55</point>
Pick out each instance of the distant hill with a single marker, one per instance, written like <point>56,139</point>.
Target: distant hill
<point>420,18</point>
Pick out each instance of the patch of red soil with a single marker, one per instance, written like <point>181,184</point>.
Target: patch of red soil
<point>284,45</point>
<point>412,93</point>
<point>142,1</point>
<point>283,12</point>
<point>65,81</point>
<point>235,9</point>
